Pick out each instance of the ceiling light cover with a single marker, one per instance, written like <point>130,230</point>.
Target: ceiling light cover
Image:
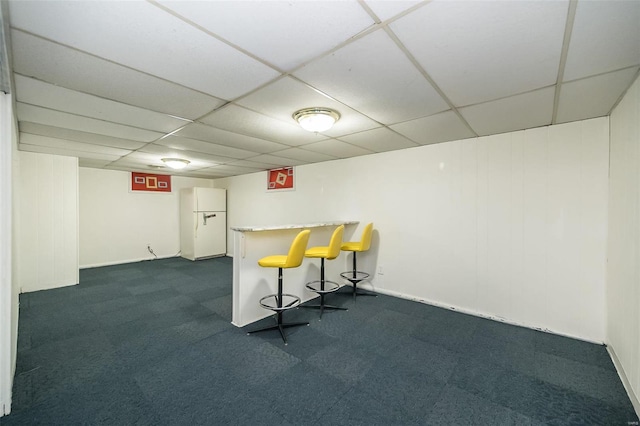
<point>176,163</point>
<point>316,119</point>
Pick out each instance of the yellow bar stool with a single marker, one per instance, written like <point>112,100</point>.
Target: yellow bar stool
<point>355,276</point>
<point>280,302</point>
<point>323,286</point>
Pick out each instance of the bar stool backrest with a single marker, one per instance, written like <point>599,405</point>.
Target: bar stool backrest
<point>296,251</point>
<point>336,242</point>
<point>365,241</point>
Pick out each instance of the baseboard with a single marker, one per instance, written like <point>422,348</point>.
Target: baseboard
<point>625,381</point>
<point>122,262</point>
<point>48,287</point>
<point>368,286</point>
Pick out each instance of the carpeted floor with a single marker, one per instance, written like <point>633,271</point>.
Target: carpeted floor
<point>151,343</point>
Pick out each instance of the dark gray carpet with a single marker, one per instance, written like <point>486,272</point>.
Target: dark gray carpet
<point>151,343</point>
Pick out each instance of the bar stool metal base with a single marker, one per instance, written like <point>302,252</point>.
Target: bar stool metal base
<point>279,326</point>
<point>322,288</point>
<point>322,306</point>
<point>280,302</point>
<point>354,278</point>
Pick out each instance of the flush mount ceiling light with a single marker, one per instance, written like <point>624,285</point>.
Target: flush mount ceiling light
<point>316,119</point>
<point>175,163</point>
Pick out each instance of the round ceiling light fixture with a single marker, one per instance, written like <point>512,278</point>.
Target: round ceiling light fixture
<point>316,119</point>
<point>176,163</point>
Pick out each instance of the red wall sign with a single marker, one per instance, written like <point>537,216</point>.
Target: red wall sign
<point>150,182</point>
<point>280,179</point>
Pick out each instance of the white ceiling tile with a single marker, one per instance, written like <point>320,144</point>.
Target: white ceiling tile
<point>35,92</point>
<point>50,117</point>
<point>92,163</point>
<point>211,173</point>
<point>205,147</point>
<point>385,9</point>
<point>351,123</point>
<point>442,127</point>
<point>141,160</point>
<point>304,155</point>
<point>373,76</point>
<point>337,148</point>
<point>277,161</point>
<point>146,168</point>
<point>243,121</point>
<point>77,136</point>
<point>139,157</point>
<point>222,137</point>
<point>137,167</point>
<point>147,38</point>
<point>152,163</point>
<point>593,96</point>
<point>29,139</point>
<point>379,140</point>
<point>67,152</point>
<point>284,97</point>
<point>480,51</point>
<point>233,169</point>
<point>533,109</point>
<point>75,70</point>
<point>197,159</point>
<point>605,37</point>
<point>257,165</point>
<point>311,27</point>
<point>203,175</point>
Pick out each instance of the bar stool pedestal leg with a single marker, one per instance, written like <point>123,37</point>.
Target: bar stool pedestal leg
<point>325,287</point>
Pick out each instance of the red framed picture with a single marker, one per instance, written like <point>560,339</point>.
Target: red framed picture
<point>150,183</point>
<point>280,179</point>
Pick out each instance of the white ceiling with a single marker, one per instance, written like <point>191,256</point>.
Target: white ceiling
<point>121,85</point>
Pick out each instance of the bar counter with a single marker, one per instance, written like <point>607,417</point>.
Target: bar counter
<point>251,281</point>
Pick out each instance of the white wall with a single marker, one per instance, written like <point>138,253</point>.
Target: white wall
<point>8,292</point>
<point>47,231</point>
<point>623,271</point>
<point>116,224</point>
<point>510,226</point>
<point>15,219</point>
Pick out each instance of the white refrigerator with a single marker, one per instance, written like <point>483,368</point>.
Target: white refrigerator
<point>203,222</point>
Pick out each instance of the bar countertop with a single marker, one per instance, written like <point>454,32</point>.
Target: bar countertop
<point>294,226</point>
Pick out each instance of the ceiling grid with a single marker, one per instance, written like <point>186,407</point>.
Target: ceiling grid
<point>121,85</point>
<point>571,16</point>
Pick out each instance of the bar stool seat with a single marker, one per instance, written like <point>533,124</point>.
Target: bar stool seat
<point>324,286</point>
<point>280,302</point>
<point>354,276</point>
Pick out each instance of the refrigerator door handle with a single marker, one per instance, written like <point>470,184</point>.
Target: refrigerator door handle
<point>207,216</point>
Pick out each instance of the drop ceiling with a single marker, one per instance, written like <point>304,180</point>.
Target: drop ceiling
<point>121,85</point>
